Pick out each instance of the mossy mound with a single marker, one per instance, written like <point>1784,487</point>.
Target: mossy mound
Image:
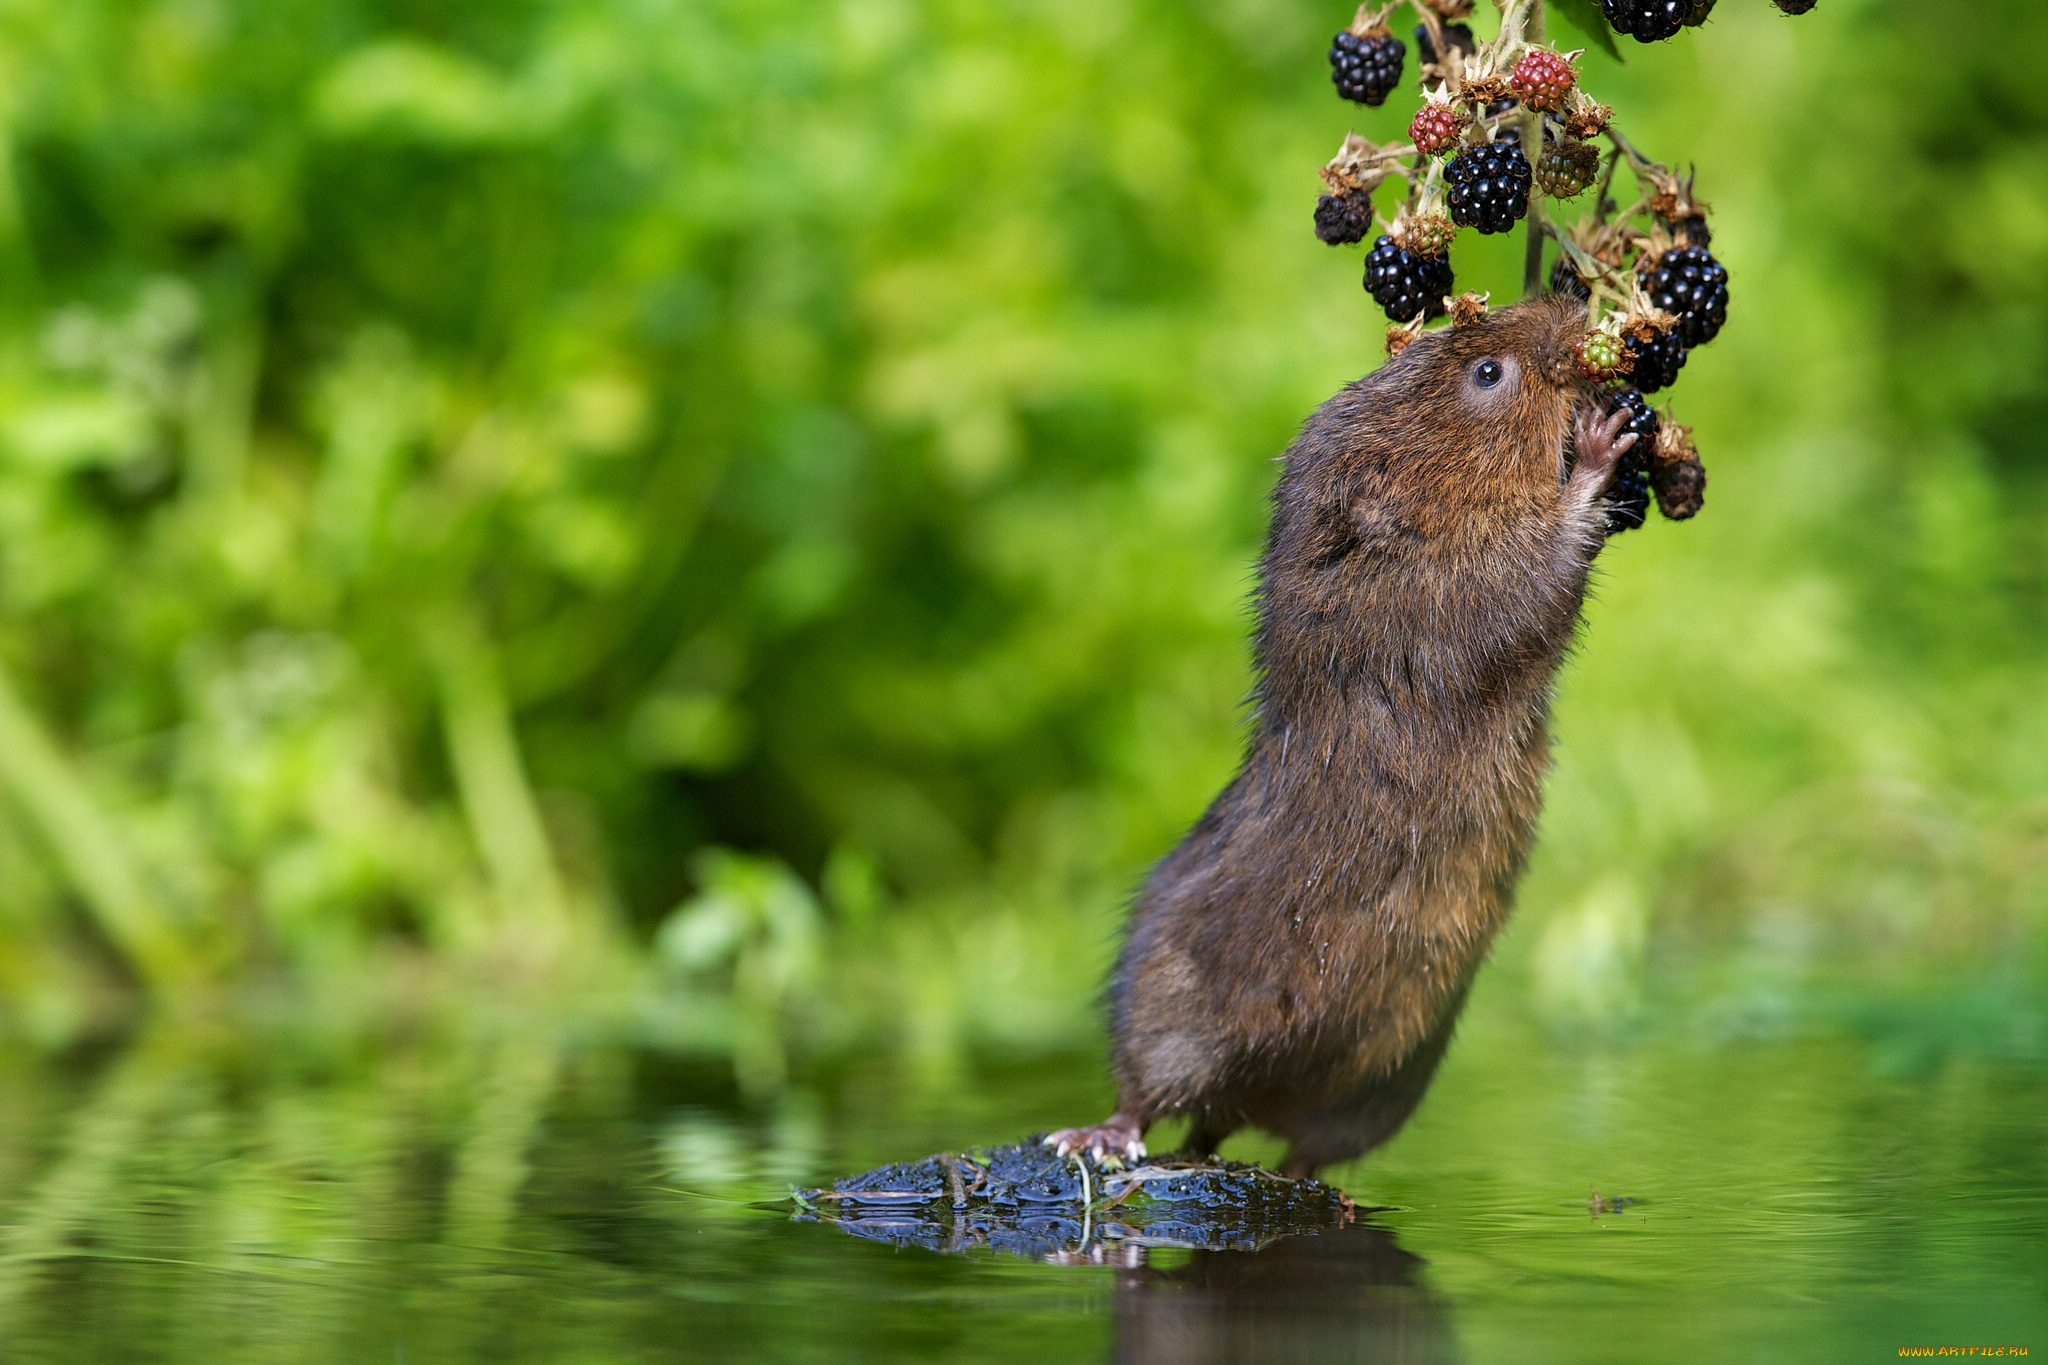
<point>1025,1199</point>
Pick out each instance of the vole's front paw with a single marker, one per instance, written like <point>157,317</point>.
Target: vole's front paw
<point>1114,1134</point>
<point>1600,441</point>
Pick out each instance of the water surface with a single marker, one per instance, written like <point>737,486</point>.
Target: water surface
<point>459,1193</point>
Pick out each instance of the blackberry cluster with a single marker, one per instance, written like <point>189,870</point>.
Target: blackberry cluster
<point>1408,286</point>
<point>1654,364</point>
<point>1489,185</point>
<point>1366,69</point>
<point>1689,283</point>
<point>1343,218</point>
<point>1628,496</point>
<point>1647,21</point>
<point>1459,34</point>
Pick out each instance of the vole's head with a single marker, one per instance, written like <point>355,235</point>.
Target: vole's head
<point>1458,430</point>
<point>1492,401</point>
<point>1461,435</point>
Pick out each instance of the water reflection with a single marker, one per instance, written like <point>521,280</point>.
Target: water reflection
<point>1350,1294</point>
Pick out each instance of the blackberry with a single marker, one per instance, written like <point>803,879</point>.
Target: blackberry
<point>1407,285</point>
<point>1459,34</point>
<point>1366,67</point>
<point>1565,280</point>
<point>1655,363</point>
<point>1343,218</point>
<point>1543,79</point>
<point>1647,21</point>
<point>1794,6</point>
<point>1692,231</point>
<point>1489,185</point>
<point>1601,356</point>
<point>1628,497</point>
<point>1435,127</point>
<point>1566,168</point>
<point>1693,286</point>
<point>1700,10</point>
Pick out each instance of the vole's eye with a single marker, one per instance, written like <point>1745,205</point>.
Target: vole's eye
<point>1487,374</point>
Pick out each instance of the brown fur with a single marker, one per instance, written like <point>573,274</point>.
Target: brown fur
<point>1298,962</point>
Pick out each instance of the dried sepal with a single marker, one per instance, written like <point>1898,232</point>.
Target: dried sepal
<point>1358,168</point>
<point>1402,335</point>
<point>1447,9</point>
<point>1370,22</point>
<point>1585,118</point>
<point>1467,309</point>
<point>1673,198</point>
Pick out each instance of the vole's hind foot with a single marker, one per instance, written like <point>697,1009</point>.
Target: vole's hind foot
<point>1600,441</point>
<point>1117,1133</point>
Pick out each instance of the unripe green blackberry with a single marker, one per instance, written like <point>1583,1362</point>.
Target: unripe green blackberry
<point>1406,284</point>
<point>1366,67</point>
<point>1489,185</point>
<point>1692,286</point>
<point>1601,356</point>
<point>1542,78</point>
<point>1654,364</point>
<point>1566,168</point>
<point>1647,21</point>
<point>1343,218</point>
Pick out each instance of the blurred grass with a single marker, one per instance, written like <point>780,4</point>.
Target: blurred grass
<point>461,462</point>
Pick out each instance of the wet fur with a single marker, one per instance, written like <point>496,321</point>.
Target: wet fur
<point>1298,962</point>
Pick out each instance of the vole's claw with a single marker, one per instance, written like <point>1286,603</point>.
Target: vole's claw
<point>1114,1135</point>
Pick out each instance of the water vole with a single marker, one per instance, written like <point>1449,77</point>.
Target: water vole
<point>1298,961</point>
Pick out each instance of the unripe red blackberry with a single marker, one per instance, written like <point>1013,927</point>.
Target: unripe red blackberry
<point>1489,185</point>
<point>1366,67</point>
<point>1543,79</point>
<point>1647,21</point>
<point>1655,363</point>
<point>1460,36</point>
<point>1436,126</point>
<point>1566,168</point>
<point>1794,6</point>
<point>1343,218</point>
<point>1692,286</point>
<point>1404,283</point>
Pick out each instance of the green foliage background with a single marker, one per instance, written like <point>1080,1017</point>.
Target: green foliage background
<point>463,465</point>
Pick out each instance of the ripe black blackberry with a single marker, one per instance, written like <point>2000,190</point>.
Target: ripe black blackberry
<point>1647,21</point>
<point>1408,286</point>
<point>1343,218</point>
<point>1794,6</point>
<point>1489,185</point>
<point>1367,66</point>
<point>1628,497</point>
<point>1689,283</point>
<point>1654,364</point>
<point>1565,280</point>
<point>1691,231</point>
<point>1460,36</point>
